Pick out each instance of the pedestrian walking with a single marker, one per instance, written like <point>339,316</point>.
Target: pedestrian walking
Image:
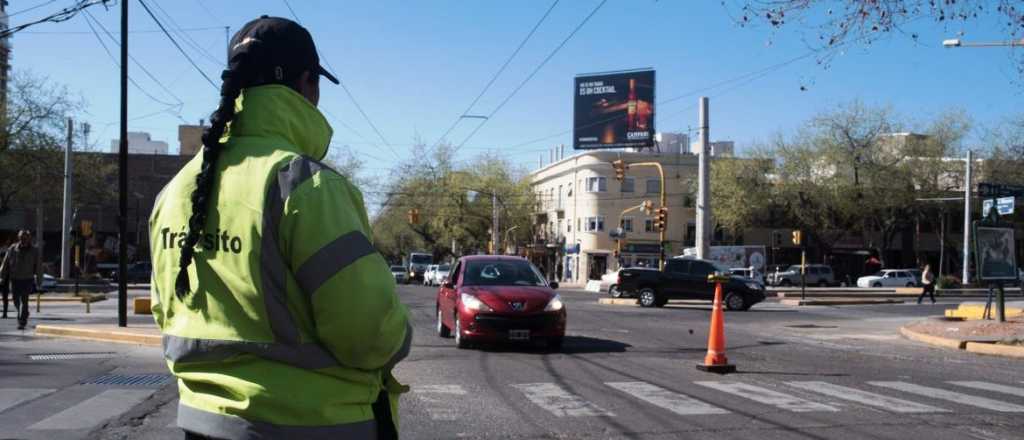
<point>21,268</point>
<point>5,290</point>
<point>928,281</point>
<point>279,317</point>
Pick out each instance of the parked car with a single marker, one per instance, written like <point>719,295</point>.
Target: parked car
<point>748,272</point>
<point>889,278</point>
<point>492,298</point>
<point>687,278</point>
<point>428,275</point>
<point>817,275</point>
<point>139,272</point>
<point>49,283</point>
<point>400,274</point>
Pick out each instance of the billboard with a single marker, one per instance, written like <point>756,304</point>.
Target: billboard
<point>614,110</point>
<point>995,253</point>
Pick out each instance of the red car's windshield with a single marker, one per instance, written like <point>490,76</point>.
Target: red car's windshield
<point>501,273</point>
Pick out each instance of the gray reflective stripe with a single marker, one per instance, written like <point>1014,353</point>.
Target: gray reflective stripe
<point>298,171</point>
<point>231,427</point>
<point>273,271</point>
<point>307,356</point>
<point>331,259</point>
<point>403,351</point>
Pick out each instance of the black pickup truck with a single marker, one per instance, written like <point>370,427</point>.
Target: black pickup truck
<point>687,278</point>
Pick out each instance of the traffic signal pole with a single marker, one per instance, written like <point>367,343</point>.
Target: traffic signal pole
<point>663,209</point>
<point>122,156</point>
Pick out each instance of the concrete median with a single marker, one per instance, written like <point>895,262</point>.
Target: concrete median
<point>147,335</point>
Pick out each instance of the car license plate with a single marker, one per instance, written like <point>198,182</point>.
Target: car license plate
<point>519,335</point>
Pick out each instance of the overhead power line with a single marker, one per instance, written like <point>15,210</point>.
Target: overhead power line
<point>57,17</point>
<point>532,74</point>
<point>48,2</point>
<point>351,97</point>
<point>497,74</point>
<point>137,31</point>
<point>219,62</point>
<point>169,37</point>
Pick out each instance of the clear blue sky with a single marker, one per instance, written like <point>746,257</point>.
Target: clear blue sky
<point>414,66</point>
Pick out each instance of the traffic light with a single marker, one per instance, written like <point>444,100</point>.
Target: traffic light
<point>648,207</point>
<point>661,219</point>
<point>620,169</point>
<point>414,216</point>
<point>797,236</point>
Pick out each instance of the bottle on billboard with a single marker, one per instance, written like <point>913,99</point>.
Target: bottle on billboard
<point>631,106</point>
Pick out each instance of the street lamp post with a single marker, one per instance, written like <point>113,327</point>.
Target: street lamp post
<point>956,42</point>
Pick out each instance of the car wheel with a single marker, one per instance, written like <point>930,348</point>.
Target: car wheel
<point>555,343</point>
<point>876,285</point>
<point>910,285</point>
<point>735,301</point>
<point>648,297</point>
<point>614,291</point>
<point>460,342</point>
<point>442,330</point>
<point>785,283</point>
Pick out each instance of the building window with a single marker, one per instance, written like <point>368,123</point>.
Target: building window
<point>627,224</point>
<point>568,190</point>
<point>653,186</point>
<point>649,225</point>
<point>597,184</point>
<point>628,185</point>
<point>577,224</point>
<point>559,197</point>
<point>595,224</point>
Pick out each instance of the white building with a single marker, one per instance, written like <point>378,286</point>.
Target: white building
<point>140,143</point>
<point>718,148</point>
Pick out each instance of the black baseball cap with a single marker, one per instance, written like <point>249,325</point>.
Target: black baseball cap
<point>278,48</point>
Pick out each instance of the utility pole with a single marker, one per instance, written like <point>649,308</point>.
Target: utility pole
<point>967,219</point>
<point>65,231</point>
<point>703,185</point>
<point>494,224</point>
<point>122,225</point>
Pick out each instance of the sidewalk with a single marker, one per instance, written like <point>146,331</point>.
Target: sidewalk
<point>144,334</point>
<point>976,336</point>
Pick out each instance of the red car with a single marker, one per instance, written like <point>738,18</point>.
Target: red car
<point>490,298</point>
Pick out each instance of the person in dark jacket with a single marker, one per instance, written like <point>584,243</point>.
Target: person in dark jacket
<point>21,266</point>
<point>4,288</point>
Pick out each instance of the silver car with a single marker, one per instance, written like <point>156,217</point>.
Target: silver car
<point>817,275</point>
<point>400,274</point>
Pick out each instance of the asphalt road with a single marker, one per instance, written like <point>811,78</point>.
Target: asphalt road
<point>625,372</point>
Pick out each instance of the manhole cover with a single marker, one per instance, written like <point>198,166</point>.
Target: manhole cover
<point>812,326</point>
<point>69,356</point>
<point>130,379</point>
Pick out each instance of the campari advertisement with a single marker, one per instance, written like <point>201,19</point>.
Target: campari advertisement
<point>614,110</point>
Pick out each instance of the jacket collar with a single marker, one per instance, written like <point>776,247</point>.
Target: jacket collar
<point>276,111</point>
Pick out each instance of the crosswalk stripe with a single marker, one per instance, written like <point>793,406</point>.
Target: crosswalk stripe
<point>678,403</point>
<point>560,402</point>
<point>999,388</point>
<point>10,397</point>
<point>768,397</point>
<point>871,399</point>
<point>437,400</point>
<point>952,396</point>
<point>92,411</point>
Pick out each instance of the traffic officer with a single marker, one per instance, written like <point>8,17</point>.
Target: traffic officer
<point>279,318</point>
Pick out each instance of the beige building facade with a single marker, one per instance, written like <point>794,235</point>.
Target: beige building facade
<point>580,201</point>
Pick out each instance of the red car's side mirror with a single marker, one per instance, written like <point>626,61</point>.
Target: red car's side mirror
<point>447,284</point>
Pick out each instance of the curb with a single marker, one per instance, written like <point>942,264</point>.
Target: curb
<point>837,302</point>
<point>617,301</point>
<point>99,335</point>
<point>996,349</point>
<point>933,340</point>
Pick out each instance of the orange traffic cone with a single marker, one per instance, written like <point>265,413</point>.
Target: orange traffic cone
<point>715,361</point>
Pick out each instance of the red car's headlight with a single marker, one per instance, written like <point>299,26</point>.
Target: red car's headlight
<point>555,304</point>
<point>473,303</point>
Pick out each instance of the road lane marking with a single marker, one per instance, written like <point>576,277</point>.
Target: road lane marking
<point>678,403</point>
<point>560,402</point>
<point>952,396</point>
<point>768,397</point>
<point>864,397</point>
<point>93,411</point>
<point>10,397</point>
<point>1006,389</point>
<point>437,400</point>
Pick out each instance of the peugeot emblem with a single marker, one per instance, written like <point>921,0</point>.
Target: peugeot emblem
<point>517,306</point>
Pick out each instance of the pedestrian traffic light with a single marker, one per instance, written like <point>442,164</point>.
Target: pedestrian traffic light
<point>620,169</point>
<point>797,236</point>
<point>414,216</point>
<point>661,219</point>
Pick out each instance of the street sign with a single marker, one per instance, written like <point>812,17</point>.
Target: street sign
<point>1004,205</point>
<point>617,233</point>
<point>986,206</point>
<point>999,190</point>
